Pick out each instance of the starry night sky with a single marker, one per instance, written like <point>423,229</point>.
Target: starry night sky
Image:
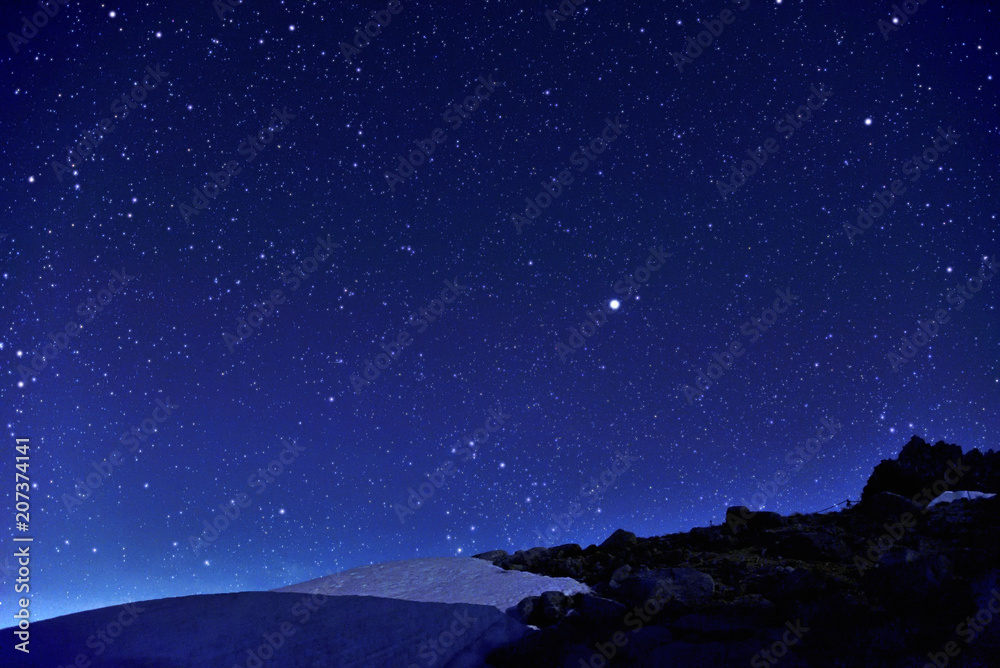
<point>164,335</point>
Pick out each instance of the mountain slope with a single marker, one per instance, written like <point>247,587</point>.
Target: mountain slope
<point>268,628</point>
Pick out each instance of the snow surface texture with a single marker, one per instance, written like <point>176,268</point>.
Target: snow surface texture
<point>948,497</point>
<point>440,580</point>
<point>232,631</point>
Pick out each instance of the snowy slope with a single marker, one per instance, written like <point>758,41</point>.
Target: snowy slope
<point>442,612</point>
<point>231,630</point>
<point>440,580</point>
<point>948,497</point>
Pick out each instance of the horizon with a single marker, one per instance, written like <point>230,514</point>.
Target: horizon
<point>569,539</point>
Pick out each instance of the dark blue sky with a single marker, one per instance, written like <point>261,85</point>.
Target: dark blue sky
<point>300,141</point>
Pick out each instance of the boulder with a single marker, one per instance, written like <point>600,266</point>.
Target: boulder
<point>545,610</point>
<point>600,613</point>
<point>529,559</point>
<point>525,610</point>
<point>618,540</point>
<point>566,551</point>
<point>569,568</point>
<point>672,587</point>
<point>493,556</point>
<point>890,506</point>
<point>738,517</point>
<point>906,578</point>
<point>554,605</point>
<point>765,519</point>
<point>620,575</point>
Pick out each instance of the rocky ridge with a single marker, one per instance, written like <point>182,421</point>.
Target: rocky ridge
<point>890,581</point>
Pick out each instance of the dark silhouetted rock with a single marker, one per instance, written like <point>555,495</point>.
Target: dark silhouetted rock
<point>529,559</point>
<point>674,587</point>
<point>566,551</point>
<point>890,506</point>
<point>738,517</point>
<point>869,589</point>
<point>618,540</point>
<point>600,612</point>
<point>765,519</point>
<point>545,610</point>
<point>493,556</point>
<point>907,577</point>
<point>919,465</point>
<point>620,574</point>
<point>554,605</point>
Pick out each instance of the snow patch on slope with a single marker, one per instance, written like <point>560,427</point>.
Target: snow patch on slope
<point>948,497</point>
<point>439,580</point>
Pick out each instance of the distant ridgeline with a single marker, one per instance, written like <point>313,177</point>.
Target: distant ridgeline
<point>920,465</point>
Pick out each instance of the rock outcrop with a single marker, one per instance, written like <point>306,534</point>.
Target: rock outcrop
<point>888,582</point>
<point>920,465</point>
